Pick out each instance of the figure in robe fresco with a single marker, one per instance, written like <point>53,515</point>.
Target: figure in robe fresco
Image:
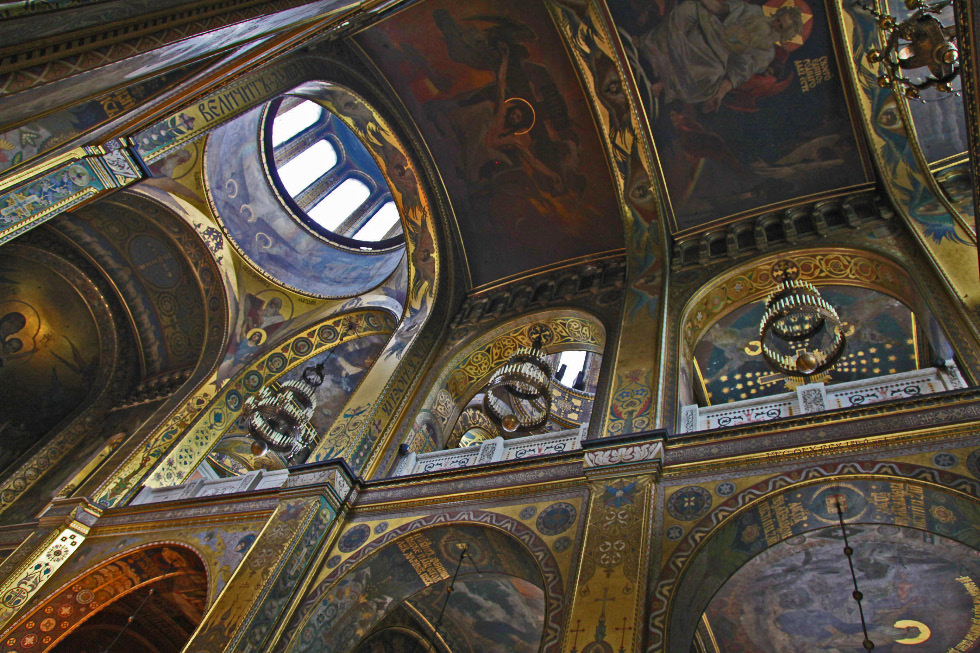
<point>505,119</point>
<point>744,100</point>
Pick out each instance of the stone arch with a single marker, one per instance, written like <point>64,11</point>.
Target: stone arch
<point>503,546</point>
<point>792,504</point>
<point>177,574</point>
<point>841,266</point>
<point>357,432</point>
<point>467,369</point>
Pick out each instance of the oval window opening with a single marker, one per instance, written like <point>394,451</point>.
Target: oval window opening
<point>308,166</point>
<point>339,204</point>
<point>381,225</point>
<point>292,121</point>
<point>328,178</point>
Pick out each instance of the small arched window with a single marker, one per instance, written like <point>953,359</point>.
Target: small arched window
<point>328,178</point>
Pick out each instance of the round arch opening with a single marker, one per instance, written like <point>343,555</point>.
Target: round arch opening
<point>502,598</point>
<point>151,599</point>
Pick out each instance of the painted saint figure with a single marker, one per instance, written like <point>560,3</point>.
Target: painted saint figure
<point>706,48</point>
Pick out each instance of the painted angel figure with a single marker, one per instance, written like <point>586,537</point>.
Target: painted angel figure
<point>706,48</point>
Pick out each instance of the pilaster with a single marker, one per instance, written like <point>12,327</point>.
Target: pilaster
<point>610,591</point>
<point>252,610</point>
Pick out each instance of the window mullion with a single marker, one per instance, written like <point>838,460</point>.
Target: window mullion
<point>299,143</point>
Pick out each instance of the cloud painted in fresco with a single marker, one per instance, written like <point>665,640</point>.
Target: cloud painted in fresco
<point>492,90</point>
<point>781,132</point>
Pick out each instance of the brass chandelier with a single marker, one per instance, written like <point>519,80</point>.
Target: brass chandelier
<point>278,416</point>
<point>518,396</point>
<point>919,41</point>
<point>800,331</point>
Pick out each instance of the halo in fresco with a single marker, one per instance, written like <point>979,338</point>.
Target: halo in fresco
<point>745,102</point>
<point>493,93</point>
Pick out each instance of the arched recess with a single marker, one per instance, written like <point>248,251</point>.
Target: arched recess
<point>67,359</point>
<point>512,569</point>
<point>95,605</point>
<point>208,425</point>
<point>802,503</point>
<point>178,243</point>
<point>470,367</point>
<point>174,448</point>
<point>837,266</point>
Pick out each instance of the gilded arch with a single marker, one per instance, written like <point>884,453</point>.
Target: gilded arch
<point>840,266</point>
<point>790,504</point>
<point>169,566</point>
<point>525,555</point>
<point>358,431</point>
<point>476,359</point>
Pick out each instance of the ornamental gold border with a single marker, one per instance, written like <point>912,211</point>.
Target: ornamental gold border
<point>180,426</point>
<point>479,356</point>
<point>752,282</point>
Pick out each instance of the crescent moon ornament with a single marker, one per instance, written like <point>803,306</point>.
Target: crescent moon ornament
<point>924,631</point>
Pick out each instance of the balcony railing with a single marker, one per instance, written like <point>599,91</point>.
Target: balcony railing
<point>491,451</point>
<point>816,397</point>
<point>258,480</point>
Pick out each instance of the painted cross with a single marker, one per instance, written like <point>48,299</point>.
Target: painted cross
<point>622,637</point>
<point>19,206</point>
<point>577,629</point>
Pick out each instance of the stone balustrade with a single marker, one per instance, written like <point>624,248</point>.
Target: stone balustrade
<point>491,451</point>
<point>252,481</point>
<point>816,397</point>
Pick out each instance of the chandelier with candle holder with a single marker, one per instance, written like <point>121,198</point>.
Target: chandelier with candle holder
<point>800,331</point>
<point>278,416</point>
<point>518,396</point>
<point>919,41</point>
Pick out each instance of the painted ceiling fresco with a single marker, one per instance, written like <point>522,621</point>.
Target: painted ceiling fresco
<point>796,595</point>
<point>489,612</point>
<point>344,368</point>
<point>505,118</point>
<point>144,252</point>
<point>49,350</point>
<point>880,340</point>
<point>505,593</point>
<point>744,99</point>
<point>392,640</point>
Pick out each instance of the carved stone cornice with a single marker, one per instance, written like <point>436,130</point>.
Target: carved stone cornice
<point>797,226</point>
<point>594,284</point>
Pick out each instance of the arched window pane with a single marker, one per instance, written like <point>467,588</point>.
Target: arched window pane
<point>574,362</point>
<point>286,125</point>
<point>379,224</point>
<point>307,167</point>
<point>337,206</point>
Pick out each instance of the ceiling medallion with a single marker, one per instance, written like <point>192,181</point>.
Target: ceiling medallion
<point>518,397</point>
<point>919,41</point>
<point>800,332</point>
<point>279,415</point>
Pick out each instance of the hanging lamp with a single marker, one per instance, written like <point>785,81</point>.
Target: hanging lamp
<point>278,416</point>
<point>800,331</point>
<point>518,396</point>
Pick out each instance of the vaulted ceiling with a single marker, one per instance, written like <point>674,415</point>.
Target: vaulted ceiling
<point>751,107</point>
